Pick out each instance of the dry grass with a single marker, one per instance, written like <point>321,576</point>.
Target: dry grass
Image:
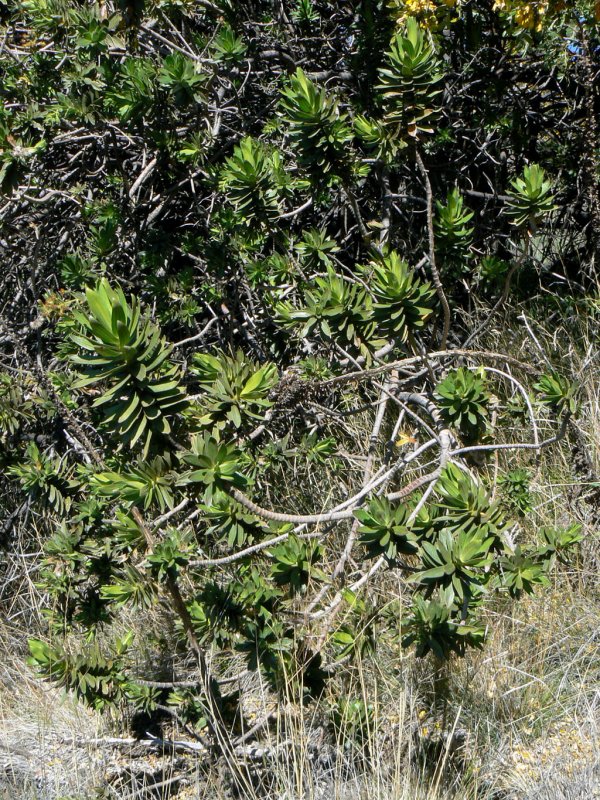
<point>38,730</point>
<point>527,707</point>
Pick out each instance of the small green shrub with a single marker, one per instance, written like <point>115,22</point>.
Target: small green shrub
<point>464,401</point>
<point>127,355</point>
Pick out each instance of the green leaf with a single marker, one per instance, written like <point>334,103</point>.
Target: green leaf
<point>40,651</point>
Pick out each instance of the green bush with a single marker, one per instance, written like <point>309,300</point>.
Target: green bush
<point>229,404</point>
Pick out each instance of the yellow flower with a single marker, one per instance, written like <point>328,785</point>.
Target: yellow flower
<point>412,8</point>
<point>529,17</point>
<point>419,6</point>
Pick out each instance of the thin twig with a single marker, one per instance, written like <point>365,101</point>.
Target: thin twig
<point>207,681</point>
<point>435,274</point>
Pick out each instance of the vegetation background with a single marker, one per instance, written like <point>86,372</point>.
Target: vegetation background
<point>299,399</point>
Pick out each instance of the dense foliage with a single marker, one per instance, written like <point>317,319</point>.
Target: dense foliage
<point>251,252</point>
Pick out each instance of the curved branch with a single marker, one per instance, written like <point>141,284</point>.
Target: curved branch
<point>522,390</point>
<point>518,445</point>
<point>438,354</point>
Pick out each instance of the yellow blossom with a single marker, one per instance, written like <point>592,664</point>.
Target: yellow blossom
<point>528,15</point>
